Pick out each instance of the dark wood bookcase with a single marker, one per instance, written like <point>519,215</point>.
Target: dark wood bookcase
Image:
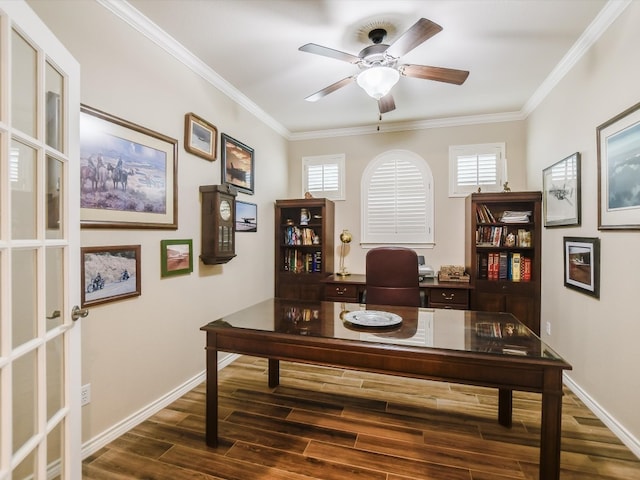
<point>304,241</point>
<point>493,246</point>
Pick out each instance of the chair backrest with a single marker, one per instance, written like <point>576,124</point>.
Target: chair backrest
<point>392,277</point>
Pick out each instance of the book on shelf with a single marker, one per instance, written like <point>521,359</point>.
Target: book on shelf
<point>515,267</point>
<point>525,269</point>
<point>483,269</point>
<point>503,273</point>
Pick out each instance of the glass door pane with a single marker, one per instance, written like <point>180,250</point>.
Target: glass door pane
<point>24,81</point>
<point>22,170</point>
<point>54,183</point>
<point>23,297</point>
<point>54,90</point>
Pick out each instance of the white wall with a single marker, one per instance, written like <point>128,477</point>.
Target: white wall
<point>137,350</point>
<point>433,146</point>
<point>598,337</point>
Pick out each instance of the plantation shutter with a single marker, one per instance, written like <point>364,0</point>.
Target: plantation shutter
<point>476,166</point>
<point>396,204</point>
<point>323,176</point>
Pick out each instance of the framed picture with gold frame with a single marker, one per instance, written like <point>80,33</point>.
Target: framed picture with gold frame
<point>200,137</point>
<point>128,174</point>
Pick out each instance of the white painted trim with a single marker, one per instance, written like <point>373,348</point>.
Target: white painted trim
<point>598,26</point>
<point>125,11</point>
<point>106,437</point>
<point>612,424</point>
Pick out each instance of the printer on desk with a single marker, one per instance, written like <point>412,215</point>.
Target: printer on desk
<point>424,271</point>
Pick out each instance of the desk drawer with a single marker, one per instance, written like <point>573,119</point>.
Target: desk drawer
<point>449,298</point>
<point>341,293</point>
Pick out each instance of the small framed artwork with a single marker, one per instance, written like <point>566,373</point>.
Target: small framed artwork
<point>237,164</point>
<point>109,274</point>
<point>200,137</point>
<point>618,142</point>
<point>246,217</point>
<point>582,265</point>
<point>562,195</point>
<point>176,257</point>
<point>128,174</point>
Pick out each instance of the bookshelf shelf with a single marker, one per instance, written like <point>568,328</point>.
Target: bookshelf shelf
<point>304,230</point>
<point>503,257</point>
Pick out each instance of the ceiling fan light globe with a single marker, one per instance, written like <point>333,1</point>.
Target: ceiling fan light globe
<point>378,81</point>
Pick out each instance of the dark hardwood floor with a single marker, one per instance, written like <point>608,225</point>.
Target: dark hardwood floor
<point>325,423</point>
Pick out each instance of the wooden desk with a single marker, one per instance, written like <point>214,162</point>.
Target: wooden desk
<point>464,348</point>
<point>436,294</point>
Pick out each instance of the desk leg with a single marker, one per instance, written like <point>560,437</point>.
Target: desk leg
<point>211,414</point>
<point>505,407</point>
<point>274,372</point>
<point>551,427</point>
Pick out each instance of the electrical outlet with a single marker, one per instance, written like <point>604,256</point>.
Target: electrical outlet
<point>85,394</point>
<point>548,328</point>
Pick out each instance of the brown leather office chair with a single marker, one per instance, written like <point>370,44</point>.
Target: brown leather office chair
<point>392,277</point>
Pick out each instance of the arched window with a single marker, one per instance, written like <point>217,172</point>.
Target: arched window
<point>397,200</point>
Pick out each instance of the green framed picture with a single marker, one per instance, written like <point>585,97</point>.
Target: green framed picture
<point>176,257</point>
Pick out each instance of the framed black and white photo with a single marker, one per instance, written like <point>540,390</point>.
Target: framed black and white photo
<point>237,164</point>
<point>562,193</point>
<point>618,142</point>
<point>128,174</point>
<point>200,137</point>
<point>246,217</point>
<point>582,265</point>
<point>109,274</point>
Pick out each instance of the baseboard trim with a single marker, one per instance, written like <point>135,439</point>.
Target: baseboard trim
<point>618,430</point>
<point>106,437</point>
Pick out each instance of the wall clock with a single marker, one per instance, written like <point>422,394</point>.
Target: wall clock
<point>218,222</point>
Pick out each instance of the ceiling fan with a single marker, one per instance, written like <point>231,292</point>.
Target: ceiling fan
<point>379,66</point>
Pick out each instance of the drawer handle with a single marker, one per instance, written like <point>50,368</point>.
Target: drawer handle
<point>444,295</point>
<point>341,292</point>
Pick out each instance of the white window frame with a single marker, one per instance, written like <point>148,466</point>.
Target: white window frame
<point>477,150</point>
<point>323,161</point>
<point>411,239</point>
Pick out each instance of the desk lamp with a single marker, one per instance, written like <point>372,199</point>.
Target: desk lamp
<point>345,237</point>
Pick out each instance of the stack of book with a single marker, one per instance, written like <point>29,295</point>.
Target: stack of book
<point>511,266</point>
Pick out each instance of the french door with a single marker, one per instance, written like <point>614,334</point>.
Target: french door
<point>39,251</point>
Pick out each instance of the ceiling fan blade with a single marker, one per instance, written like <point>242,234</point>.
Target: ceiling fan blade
<point>419,32</point>
<point>331,88</point>
<point>439,74</point>
<point>386,104</point>
<point>329,52</point>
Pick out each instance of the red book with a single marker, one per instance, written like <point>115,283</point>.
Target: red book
<point>525,269</point>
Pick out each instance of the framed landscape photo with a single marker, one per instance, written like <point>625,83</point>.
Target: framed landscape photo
<point>618,142</point>
<point>562,193</point>
<point>128,174</point>
<point>237,164</point>
<point>109,274</point>
<point>246,217</point>
<point>176,257</point>
<point>582,265</point>
<point>200,137</point>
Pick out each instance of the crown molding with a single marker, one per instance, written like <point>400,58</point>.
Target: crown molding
<point>407,126</point>
<point>611,11</point>
<point>125,11</point>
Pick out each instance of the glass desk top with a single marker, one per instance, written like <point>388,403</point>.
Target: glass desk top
<point>459,330</point>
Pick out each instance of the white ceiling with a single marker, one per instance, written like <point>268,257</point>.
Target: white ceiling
<point>513,49</point>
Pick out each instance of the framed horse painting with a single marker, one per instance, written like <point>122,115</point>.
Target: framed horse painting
<point>128,174</point>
